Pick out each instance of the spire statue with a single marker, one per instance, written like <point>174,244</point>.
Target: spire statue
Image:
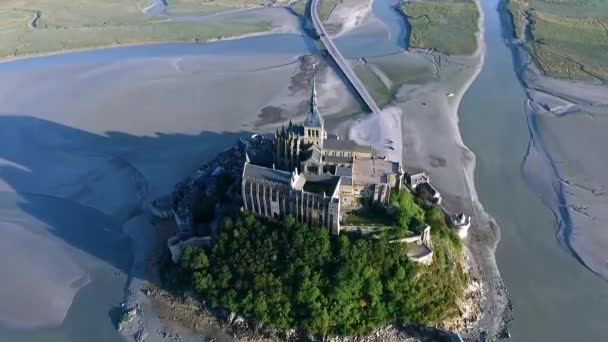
<point>313,118</point>
<point>313,95</point>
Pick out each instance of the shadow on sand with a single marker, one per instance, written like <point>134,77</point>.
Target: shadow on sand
<point>82,187</point>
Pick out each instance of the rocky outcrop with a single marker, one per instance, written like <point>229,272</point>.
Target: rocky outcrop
<point>126,318</point>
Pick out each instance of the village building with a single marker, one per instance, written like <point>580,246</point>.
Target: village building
<point>317,177</point>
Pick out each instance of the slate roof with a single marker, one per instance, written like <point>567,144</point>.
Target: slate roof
<point>338,159</point>
<point>271,175</point>
<point>345,145</point>
<point>314,118</point>
<point>347,181</point>
<point>344,171</point>
<point>321,183</point>
<point>313,153</point>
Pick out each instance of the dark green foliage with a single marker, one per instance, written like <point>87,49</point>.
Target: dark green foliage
<point>370,213</point>
<point>290,275</point>
<point>408,214</point>
<point>436,219</point>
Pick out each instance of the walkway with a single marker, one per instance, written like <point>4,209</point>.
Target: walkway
<point>340,60</point>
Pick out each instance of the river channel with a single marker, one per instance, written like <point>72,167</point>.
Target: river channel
<point>555,298</point>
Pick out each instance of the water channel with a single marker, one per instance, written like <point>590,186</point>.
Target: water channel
<point>555,298</point>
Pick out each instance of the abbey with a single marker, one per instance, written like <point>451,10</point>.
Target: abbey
<point>316,177</point>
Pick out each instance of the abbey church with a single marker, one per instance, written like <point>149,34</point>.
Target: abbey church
<point>317,177</point>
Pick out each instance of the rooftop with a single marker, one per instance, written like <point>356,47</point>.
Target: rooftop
<point>344,171</point>
<point>345,145</point>
<point>313,118</point>
<point>271,175</point>
<point>312,153</point>
<point>338,159</point>
<point>373,170</point>
<point>320,184</point>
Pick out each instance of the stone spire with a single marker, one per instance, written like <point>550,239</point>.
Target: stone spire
<point>313,118</point>
<point>313,95</point>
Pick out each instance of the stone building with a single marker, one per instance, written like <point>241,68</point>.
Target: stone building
<point>316,177</point>
<point>309,198</point>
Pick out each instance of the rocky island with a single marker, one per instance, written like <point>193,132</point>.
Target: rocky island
<point>349,244</point>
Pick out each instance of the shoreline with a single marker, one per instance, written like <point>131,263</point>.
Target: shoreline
<point>18,58</point>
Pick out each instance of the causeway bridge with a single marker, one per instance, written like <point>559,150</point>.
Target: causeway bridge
<point>340,60</point>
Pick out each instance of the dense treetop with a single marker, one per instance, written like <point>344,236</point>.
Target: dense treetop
<point>290,275</point>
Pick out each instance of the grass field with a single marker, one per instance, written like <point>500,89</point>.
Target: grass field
<point>209,7</point>
<point>377,89</point>
<point>33,27</point>
<point>567,38</point>
<point>325,7</point>
<point>448,26</point>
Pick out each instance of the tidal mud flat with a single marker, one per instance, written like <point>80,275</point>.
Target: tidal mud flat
<point>122,128</point>
<point>550,289</point>
<point>565,163</point>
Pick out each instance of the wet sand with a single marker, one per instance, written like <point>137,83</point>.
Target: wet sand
<point>82,159</point>
<point>566,163</point>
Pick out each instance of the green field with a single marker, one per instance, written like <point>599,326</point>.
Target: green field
<point>325,7</point>
<point>567,38</point>
<point>377,89</point>
<point>210,7</point>
<point>32,27</point>
<point>447,26</point>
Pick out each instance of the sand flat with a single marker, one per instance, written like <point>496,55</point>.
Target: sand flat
<point>85,145</point>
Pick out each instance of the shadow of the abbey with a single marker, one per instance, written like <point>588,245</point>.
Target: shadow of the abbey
<point>83,187</point>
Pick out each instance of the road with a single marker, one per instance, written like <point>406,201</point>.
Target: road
<point>340,60</point>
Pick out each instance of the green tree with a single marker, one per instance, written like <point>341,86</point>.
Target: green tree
<point>408,212</point>
<point>290,275</point>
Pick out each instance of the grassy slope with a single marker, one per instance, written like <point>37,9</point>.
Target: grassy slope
<point>90,23</point>
<point>569,38</point>
<point>448,26</point>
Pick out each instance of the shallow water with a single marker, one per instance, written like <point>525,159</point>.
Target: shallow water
<point>555,298</point>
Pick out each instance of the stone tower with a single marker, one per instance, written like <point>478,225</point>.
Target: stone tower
<point>293,139</point>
